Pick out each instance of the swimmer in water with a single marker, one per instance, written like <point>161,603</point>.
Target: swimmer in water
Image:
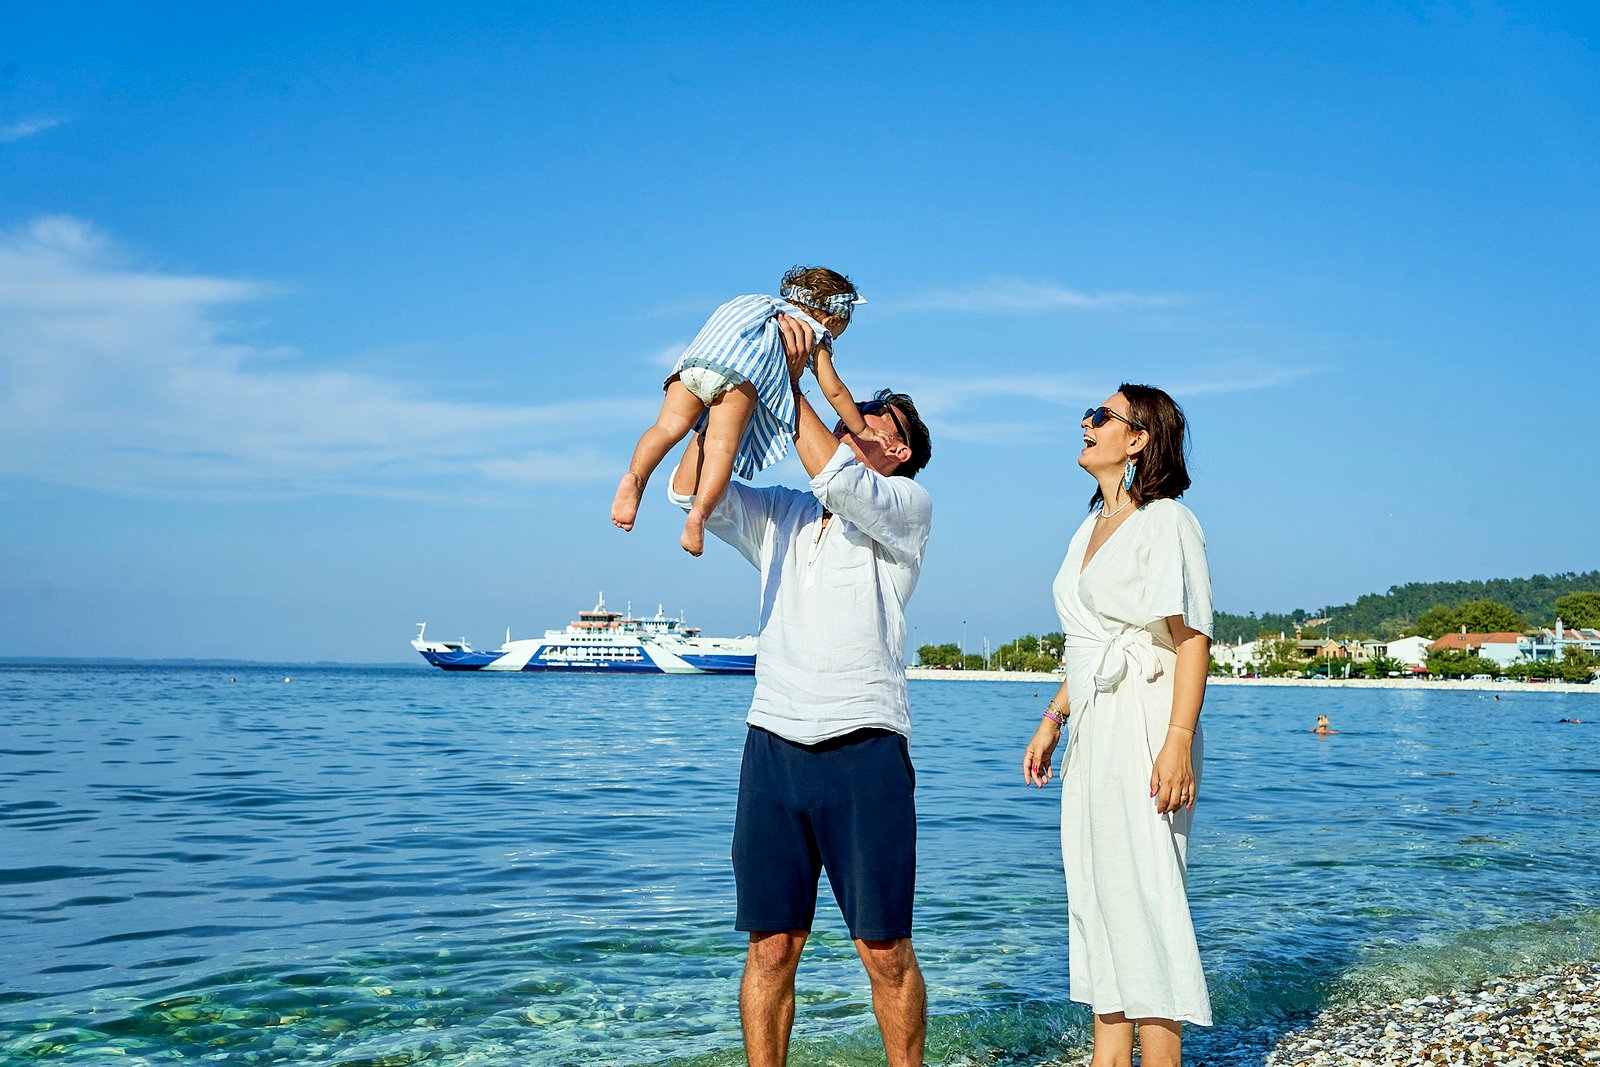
<point>1322,726</point>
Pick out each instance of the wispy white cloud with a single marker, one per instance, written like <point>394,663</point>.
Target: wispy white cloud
<point>939,396</point>
<point>667,355</point>
<point>121,378</point>
<point>1017,296</point>
<point>541,466</point>
<point>963,408</point>
<point>16,131</point>
<point>701,306</point>
<point>1242,381</point>
<point>994,433</point>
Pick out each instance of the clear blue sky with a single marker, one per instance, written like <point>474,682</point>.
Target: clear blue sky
<point>315,323</point>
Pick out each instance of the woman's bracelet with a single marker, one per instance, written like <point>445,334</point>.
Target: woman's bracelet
<point>1181,726</point>
<point>1050,713</point>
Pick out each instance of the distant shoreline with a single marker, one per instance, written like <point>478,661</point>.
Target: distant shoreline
<point>1408,684</point>
<point>242,664</point>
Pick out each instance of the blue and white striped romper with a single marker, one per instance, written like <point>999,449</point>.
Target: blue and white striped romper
<point>742,337</point>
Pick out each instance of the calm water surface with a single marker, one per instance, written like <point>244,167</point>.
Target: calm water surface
<point>393,866</point>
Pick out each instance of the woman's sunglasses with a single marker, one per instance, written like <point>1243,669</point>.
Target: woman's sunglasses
<point>883,402</point>
<point>1097,418</point>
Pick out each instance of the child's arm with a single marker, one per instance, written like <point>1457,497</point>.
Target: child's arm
<point>838,395</point>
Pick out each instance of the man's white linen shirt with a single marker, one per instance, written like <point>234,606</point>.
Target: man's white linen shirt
<point>830,658</point>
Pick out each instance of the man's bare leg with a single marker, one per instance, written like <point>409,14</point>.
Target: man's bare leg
<point>680,409</point>
<point>899,999</point>
<point>726,420</point>
<point>766,996</point>
<point>1113,1041</point>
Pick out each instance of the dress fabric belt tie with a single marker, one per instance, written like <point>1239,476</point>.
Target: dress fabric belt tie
<point>1130,648</point>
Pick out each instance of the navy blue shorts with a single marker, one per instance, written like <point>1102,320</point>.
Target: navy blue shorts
<point>844,806</point>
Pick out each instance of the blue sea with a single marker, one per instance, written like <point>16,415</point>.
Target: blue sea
<point>397,866</point>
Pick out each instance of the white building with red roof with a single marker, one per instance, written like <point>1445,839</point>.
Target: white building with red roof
<point>1503,649</point>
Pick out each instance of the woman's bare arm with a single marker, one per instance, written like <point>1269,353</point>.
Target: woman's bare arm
<point>1172,783</point>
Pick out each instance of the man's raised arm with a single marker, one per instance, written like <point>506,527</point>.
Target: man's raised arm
<point>814,443</point>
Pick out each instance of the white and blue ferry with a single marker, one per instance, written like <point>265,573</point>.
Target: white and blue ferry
<point>601,641</point>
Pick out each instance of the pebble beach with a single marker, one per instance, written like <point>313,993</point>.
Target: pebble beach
<point>1540,1021</point>
<point>1550,1019</point>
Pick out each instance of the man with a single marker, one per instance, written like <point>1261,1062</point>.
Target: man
<point>827,782</point>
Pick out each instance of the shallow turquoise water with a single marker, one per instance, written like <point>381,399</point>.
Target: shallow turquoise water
<point>396,866</point>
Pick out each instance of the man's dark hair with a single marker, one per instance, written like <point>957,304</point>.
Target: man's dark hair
<point>1162,472</point>
<point>916,432</point>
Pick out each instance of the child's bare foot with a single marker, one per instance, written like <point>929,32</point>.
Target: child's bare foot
<point>625,506</point>
<point>694,534</point>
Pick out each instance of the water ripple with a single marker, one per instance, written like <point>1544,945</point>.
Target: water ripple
<point>397,866</point>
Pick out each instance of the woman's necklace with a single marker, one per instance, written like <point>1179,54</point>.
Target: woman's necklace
<point>1104,514</point>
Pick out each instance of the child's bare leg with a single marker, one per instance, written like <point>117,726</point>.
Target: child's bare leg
<point>679,410</point>
<point>725,426</point>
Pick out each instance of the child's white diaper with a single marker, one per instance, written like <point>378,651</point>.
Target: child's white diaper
<point>707,382</point>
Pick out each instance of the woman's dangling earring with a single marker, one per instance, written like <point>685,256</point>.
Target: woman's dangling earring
<point>1127,474</point>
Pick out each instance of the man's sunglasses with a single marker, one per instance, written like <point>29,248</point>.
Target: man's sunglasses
<point>1097,418</point>
<point>883,402</point>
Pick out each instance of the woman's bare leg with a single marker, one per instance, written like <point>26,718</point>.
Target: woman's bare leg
<point>679,411</point>
<point>725,426</point>
<point>1113,1041</point>
<point>1160,1043</point>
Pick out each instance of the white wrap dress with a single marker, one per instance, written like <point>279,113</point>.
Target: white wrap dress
<point>1131,944</point>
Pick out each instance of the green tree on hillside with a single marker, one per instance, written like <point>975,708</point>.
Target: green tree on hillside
<point>1579,609</point>
<point>1276,657</point>
<point>1436,621</point>
<point>1396,612</point>
<point>1533,669</point>
<point>1026,653</point>
<point>1489,617</point>
<point>1381,667</point>
<point>1327,666</point>
<point>1456,663</point>
<point>1578,664</point>
<point>1478,616</point>
<point>939,655</point>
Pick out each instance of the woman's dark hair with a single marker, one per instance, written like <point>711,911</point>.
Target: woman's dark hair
<point>1162,472</point>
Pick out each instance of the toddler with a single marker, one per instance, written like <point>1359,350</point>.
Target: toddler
<point>735,375</point>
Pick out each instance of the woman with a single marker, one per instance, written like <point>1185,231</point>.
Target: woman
<point>1134,596</point>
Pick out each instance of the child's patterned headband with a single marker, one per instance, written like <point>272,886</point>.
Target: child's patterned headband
<point>839,305</point>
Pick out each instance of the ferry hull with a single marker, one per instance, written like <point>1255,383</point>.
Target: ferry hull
<point>484,661</point>
<point>481,661</point>
<point>601,642</point>
<point>722,664</point>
